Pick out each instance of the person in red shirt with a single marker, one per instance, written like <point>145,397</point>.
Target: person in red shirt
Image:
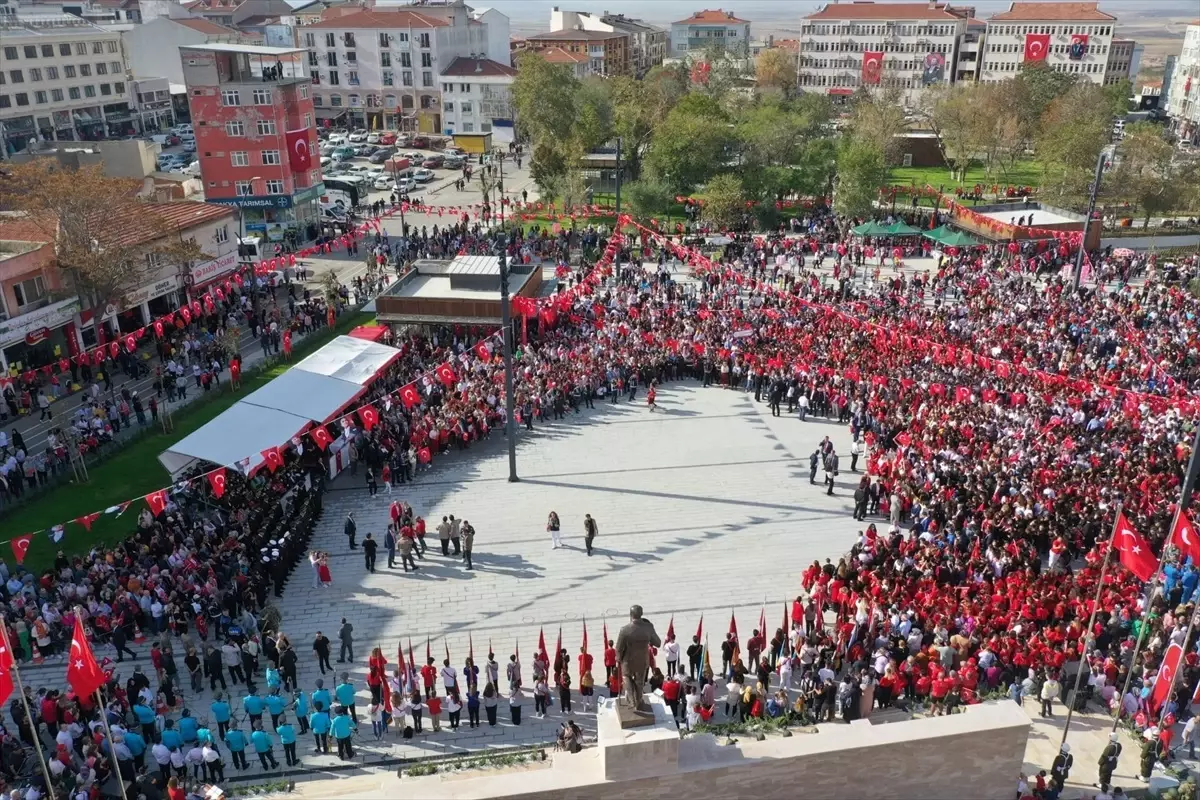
<point>585,661</point>
<point>610,659</point>
<point>174,790</point>
<point>671,690</point>
<point>428,676</point>
<point>419,530</point>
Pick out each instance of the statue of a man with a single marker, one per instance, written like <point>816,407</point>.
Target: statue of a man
<point>633,651</point>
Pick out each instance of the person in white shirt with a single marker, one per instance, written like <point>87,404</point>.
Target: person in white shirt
<point>449,677</point>
<point>671,655</point>
<point>162,757</point>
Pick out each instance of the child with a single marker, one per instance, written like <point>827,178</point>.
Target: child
<point>434,704</point>
<point>375,714</point>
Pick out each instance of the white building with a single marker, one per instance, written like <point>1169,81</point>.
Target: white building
<point>1068,37</point>
<point>904,46</point>
<point>1183,100</point>
<point>379,68</point>
<point>648,44</point>
<point>477,97</point>
<point>61,78</point>
<point>153,46</point>
<point>710,29</point>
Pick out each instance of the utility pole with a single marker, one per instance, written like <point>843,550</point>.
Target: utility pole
<point>510,423</point>
<point>618,176</point>
<point>1087,222</point>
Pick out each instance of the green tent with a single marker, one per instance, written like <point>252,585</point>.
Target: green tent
<point>900,228</point>
<point>871,228</point>
<point>949,237</point>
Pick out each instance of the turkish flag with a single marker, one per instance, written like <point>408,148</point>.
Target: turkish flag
<point>273,458</point>
<point>424,455</point>
<point>1079,46</point>
<point>287,343</point>
<point>369,416</point>
<point>872,67</point>
<point>6,667</point>
<point>321,437</point>
<point>130,343</point>
<point>445,374</point>
<point>158,328</point>
<point>216,479</point>
<point>114,349</point>
<point>410,396</point>
<point>186,313</point>
<point>157,501</point>
<point>299,150</point>
<point>1135,551</point>
<point>1184,537</point>
<point>87,519</point>
<point>903,438</point>
<point>1037,46</point>
<point>83,673</point>
<point>20,546</point>
<point>1166,676</point>
<point>483,350</point>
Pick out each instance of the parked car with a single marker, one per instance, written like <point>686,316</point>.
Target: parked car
<point>325,161</point>
<point>454,151</point>
<point>453,162</point>
<point>419,141</point>
<point>382,154</point>
<point>383,182</point>
<point>359,135</point>
<point>387,137</point>
<point>405,185</point>
<point>422,175</point>
<point>344,153</point>
<point>372,138</point>
<point>433,162</point>
<point>414,156</point>
<point>180,130</point>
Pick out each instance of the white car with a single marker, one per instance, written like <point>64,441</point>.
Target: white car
<point>180,130</point>
<point>415,156</point>
<point>406,185</point>
<point>358,136</point>
<point>423,175</point>
<point>373,138</point>
<point>192,169</point>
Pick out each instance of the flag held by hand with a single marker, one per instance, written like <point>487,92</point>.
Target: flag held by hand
<point>83,673</point>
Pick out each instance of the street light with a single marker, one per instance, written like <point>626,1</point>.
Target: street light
<point>510,424</point>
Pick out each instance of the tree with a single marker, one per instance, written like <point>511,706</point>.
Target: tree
<point>593,125</point>
<point>647,197</point>
<point>544,100</point>
<point>1147,173</point>
<point>107,242</point>
<point>879,119</point>
<point>775,68</point>
<point>1074,129</point>
<point>640,107</point>
<point>1036,87</point>
<point>948,111</point>
<point>860,173</point>
<point>724,201</point>
<point>690,145</point>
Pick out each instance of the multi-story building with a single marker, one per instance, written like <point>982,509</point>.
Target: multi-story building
<point>707,29</point>
<point>152,104</point>
<point>255,129</point>
<point>1067,37</point>
<point>608,54</point>
<point>648,43</point>
<point>905,46</point>
<point>30,320</point>
<point>380,68</point>
<point>153,46</point>
<point>1183,94</point>
<point>578,64</point>
<point>477,96</point>
<point>1124,61</point>
<point>60,79</point>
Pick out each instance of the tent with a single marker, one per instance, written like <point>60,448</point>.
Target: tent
<point>901,228</point>
<point>370,333</point>
<point>949,237</point>
<point>871,228</point>
<point>317,389</point>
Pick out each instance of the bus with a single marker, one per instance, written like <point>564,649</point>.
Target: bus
<point>350,190</point>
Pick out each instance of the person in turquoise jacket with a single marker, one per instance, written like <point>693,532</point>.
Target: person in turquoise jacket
<point>320,722</point>
<point>287,737</point>
<point>145,718</point>
<point>263,746</point>
<point>300,701</point>
<point>137,747</point>
<point>170,737</point>
<point>188,726</point>
<point>344,692</point>
<point>342,728</point>
<point>273,680</point>
<point>275,706</point>
<point>254,706</point>
<point>235,740</point>
<point>221,713</point>
<point>204,736</point>
<point>322,696</point>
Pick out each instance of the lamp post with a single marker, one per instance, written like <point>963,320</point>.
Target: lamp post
<point>1101,160</point>
<point>510,424</point>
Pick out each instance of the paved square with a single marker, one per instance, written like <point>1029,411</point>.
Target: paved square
<point>703,506</point>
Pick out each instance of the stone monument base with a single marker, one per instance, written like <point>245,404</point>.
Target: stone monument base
<point>645,751</point>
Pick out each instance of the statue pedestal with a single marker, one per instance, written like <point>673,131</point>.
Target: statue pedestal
<point>642,752</point>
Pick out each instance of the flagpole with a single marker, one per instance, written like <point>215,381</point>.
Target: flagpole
<point>29,715</point>
<point>112,745</point>
<point>1083,659</point>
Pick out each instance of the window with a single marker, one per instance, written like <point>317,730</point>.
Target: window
<point>423,39</point>
<point>31,51</point>
<point>274,187</point>
<point>468,127</point>
<point>465,108</point>
<point>313,61</point>
<point>51,73</point>
<point>331,40</point>
<point>56,95</point>
<point>89,91</point>
<point>334,78</point>
<point>5,102</point>
<point>262,97</point>
<point>222,235</point>
<point>310,41</point>
<point>331,59</point>
<point>47,51</point>
<point>385,59</point>
<point>348,38</point>
<point>448,106</point>
<point>318,101</point>
<point>308,121</point>
<point>406,59</point>
<point>270,158</point>
<point>81,48</point>
<point>68,71</point>
<point>239,158</point>
<point>10,54</point>
<point>427,79</point>
<point>426,59</point>
<point>335,100</point>
<point>110,46</point>
<point>315,77</point>
<point>97,47</point>
<point>235,128</point>
<point>385,41</point>
<point>16,76</point>
<point>243,188</point>
<point>29,291</point>
<point>119,87</point>
<point>352,78</point>
<point>303,92</point>
<point>39,97</point>
<point>355,100</point>
<point>266,127</point>
<point>22,99</point>
<point>105,89</point>
<point>406,78</point>
<point>447,88</point>
<point>402,37</point>
<point>64,49</point>
<point>102,68</point>
<point>74,93</point>
<point>85,70</point>
<point>231,97</point>
<point>351,57</point>
<point>387,78</point>
<point>35,74</point>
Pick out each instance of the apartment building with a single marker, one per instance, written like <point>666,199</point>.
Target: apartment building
<point>1124,61</point>
<point>30,321</point>
<point>608,53</point>
<point>648,43</point>
<point>61,78</point>
<point>379,68</point>
<point>1067,37</point>
<point>577,64</point>
<point>710,29</point>
<point>904,46</point>
<point>256,134</point>
<point>153,46</point>
<point>1183,94</point>
<point>477,96</point>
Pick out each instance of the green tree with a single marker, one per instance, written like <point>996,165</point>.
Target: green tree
<point>647,198</point>
<point>775,68</point>
<point>879,118</point>
<point>1147,173</point>
<point>860,173</point>
<point>593,125</point>
<point>1074,129</point>
<point>724,201</point>
<point>690,145</point>
<point>1036,87</point>
<point>949,112</point>
<point>544,98</point>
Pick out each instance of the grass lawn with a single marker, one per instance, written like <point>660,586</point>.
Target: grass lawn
<point>1024,173</point>
<point>134,471</point>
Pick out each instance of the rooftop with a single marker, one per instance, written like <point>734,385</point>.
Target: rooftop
<point>463,67</point>
<point>1053,12</point>
<point>141,223</point>
<point>380,18</point>
<point>575,36</point>
<point>556,55</point>
<point>907,12</point>
<point>202,25</point>
<point>249,49</point>
<point>710,17</point>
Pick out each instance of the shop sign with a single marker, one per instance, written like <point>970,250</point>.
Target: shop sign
<point>254,201</point>
<point>213,269</point>
<point>143,295</point>
<point>52,316</point>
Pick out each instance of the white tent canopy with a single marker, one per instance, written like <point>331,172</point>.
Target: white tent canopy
<point>314,390</point>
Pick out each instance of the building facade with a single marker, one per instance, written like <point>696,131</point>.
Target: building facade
<point>608,54</point>
<point>476,96</point>
<point>1067,37</point>
<point>61,79</point>
<point>153,46</point>
<point>904,46</point>
<point>648,43</point>
<point>1124,61</point>
<point>1183,93</point>
<point>380,68</point>
<point>710,29</point>
<point>255,129</point>
<point>152,103</point>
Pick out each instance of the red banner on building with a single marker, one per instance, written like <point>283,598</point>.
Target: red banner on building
<point>1079,46</point>
<point>1037,46</point>
<point>872,68</point>
<point>299,151</point>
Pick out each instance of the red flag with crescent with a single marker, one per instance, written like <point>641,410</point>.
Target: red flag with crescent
<point>1037,46</point>
<point>424,455</point>
<point>1135,551</point>
<point>872,67</point>
<point>445,374</point>
<point>1184,537</point>
<point>321,437</point>
<point>410,396</point>
<point>83,673</point>
<point>369,416</point>
<point>287,343</point>
<point>1166,675</point>
<point>20,546</point>
<point>87,519</point>
<point>216,479</point>
<point>157,501</point>
<point>483,350</point>
<point>299,150</point>
<point>273,458</point>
